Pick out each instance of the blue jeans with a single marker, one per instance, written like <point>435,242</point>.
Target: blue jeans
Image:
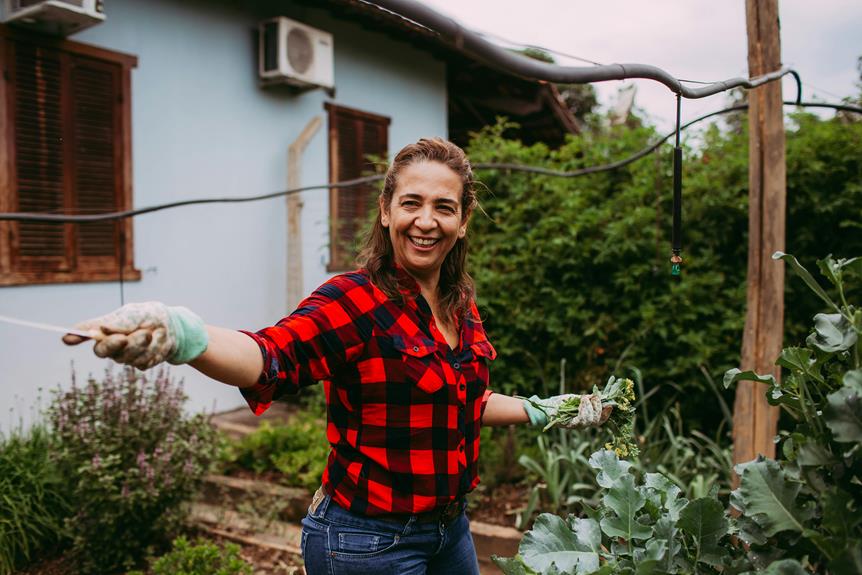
<point>338,542</point>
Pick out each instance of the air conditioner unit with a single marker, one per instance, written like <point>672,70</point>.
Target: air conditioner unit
<point>293,53</point>
<point>54,16</point>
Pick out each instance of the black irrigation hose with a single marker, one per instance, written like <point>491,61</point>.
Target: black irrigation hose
<point>63,218</point>
<point>474,46</point>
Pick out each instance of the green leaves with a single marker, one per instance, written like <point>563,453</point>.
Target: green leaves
<point>734,375</point>
<point>704,520</point>
<point>843,414</point>
<point>832,333</point>
<point>806,277</point>
<point>610,467</point>
<point>768,497</point>
<point>639,529</point>
<point>552,542</point>
<point>625,500</point>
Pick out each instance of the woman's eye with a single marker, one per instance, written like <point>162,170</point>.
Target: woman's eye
<point>446,209</point>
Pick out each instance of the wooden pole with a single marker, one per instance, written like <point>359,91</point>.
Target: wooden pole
<point>294,210</point>
<point>755,422</point>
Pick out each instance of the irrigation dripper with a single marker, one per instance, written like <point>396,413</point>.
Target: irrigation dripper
<point>676,234</point>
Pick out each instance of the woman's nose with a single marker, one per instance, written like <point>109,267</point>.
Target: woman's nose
<point>425,219</point>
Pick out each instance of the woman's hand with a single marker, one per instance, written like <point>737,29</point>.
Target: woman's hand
<point>591,413</point>
<point>145,334</point>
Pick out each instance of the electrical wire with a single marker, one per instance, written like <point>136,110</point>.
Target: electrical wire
<point>64,218</point>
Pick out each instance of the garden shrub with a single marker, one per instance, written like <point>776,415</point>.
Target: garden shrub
<point>131,458</point>
<point>201,558</point>
<point>297,449</point>
<point>578,268</point>
<point>32,502</point>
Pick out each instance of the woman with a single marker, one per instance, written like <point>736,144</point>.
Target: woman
<point>400,348</point>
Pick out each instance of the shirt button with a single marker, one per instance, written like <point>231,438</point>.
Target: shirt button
<point>461,448</point>
<point>462,387</point>
<point>415,348</point>
<point>456,365</point>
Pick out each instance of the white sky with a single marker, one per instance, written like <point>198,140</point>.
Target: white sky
<point>690,39</point>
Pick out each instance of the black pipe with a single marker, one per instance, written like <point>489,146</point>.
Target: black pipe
<point>474,46</point>
<point>66,218</point>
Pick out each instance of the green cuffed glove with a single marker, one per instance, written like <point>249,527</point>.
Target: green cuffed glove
<point>542,411</point>
<point>145,334</point>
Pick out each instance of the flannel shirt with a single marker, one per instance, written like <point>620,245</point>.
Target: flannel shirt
<point>404,409</point>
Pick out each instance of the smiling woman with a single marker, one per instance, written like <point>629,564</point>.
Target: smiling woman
<point>402,353</point>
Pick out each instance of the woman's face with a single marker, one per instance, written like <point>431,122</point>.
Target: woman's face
<point>424,218</point>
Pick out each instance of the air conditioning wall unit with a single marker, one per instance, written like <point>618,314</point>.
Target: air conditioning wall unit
<point>294,53</point>
<point>62,17</point>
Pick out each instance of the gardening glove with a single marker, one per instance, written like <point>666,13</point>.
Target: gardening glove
<point>590,411</point>
<point>146,334</point>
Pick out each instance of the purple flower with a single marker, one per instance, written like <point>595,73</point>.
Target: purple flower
<point>96,461</point>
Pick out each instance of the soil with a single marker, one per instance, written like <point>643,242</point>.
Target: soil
<point>498,505</point>
<point>57,566</point>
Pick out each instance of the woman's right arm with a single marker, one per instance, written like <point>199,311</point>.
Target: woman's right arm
<point>231,357</point>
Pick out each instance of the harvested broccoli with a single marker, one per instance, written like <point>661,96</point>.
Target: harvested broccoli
<point>620,393</point>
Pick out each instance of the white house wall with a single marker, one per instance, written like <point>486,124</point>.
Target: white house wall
<point>202,127</point>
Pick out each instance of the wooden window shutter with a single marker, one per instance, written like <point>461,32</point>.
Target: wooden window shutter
<point>354,137</point>
<point>68,150</point>
<point>95,122</point>
<point>40,160</point>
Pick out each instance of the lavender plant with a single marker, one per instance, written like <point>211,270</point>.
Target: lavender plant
<point>131,457</point>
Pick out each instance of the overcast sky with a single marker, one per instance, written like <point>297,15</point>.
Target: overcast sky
<point>690,39</point>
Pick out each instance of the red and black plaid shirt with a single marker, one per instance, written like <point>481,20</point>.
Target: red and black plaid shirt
<point>404,410</point>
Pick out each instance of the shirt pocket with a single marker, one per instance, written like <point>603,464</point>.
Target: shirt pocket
<point>419,363</point>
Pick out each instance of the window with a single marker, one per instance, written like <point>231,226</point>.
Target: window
<point>354,138</point>
<point>64,148</point>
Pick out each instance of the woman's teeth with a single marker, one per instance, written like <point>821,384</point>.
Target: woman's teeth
<point>424,242</point>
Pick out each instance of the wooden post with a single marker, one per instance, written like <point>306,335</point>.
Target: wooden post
<point>755,422</point>
<point>294,210</point>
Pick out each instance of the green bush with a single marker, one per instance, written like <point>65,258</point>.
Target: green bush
<point>131,458</point>
<point>200,558</point>
<point>578,268</point>
<point>32,503</point>
<point>298,450</point>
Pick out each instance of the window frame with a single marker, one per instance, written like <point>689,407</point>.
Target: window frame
<point>338,260</point>
<point>13,273</point>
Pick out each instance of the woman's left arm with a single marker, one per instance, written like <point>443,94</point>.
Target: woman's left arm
<point>504,410</point>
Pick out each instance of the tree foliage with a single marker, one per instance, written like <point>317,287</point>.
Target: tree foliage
<point>578,268</point>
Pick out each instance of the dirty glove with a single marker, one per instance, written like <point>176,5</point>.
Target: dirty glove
<point>146,334</point>
<point>590,412</point>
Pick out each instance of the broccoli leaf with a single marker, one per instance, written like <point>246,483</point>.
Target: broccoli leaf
<point>768,497</point>
<point>625,500</point>
<point>552,542</point>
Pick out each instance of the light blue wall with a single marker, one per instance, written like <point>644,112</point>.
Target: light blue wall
<point>201,127</point>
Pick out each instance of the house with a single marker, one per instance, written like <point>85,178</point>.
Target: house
<point>162,101</point>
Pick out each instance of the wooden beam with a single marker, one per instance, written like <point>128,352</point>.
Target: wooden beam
<point>294,211</point>
<point>755,421</point>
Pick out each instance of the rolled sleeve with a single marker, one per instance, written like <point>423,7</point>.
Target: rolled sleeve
<point>327,330</point>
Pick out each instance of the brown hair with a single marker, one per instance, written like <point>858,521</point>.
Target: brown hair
<point>456,288</point>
